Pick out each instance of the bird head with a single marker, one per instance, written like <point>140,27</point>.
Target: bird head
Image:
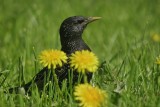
<point>73,27</point>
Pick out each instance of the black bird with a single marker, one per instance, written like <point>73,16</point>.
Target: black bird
<point>70,31</point>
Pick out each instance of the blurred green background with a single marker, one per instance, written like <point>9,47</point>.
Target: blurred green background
<point>124,31</point>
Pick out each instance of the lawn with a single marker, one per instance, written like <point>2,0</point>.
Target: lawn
<point>121,39</point>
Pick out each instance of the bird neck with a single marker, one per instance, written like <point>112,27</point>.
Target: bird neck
<point>71,45</point>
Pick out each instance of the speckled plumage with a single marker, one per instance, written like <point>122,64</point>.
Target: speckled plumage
<point>71,34</point>
<point>70,31</point>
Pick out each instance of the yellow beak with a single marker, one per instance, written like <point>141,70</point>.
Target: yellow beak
<point>91,19</point>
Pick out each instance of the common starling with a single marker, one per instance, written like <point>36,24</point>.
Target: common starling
<point>70,31</point>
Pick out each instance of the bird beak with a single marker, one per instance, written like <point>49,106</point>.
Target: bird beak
<point>91,19</point>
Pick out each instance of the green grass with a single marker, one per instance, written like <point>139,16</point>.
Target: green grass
<point>121,38</point>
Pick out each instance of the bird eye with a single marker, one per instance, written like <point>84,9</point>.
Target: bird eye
<point>80,21</point>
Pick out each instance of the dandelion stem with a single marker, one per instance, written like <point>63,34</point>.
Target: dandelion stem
<point>85,78</point>
<point>55,80</point>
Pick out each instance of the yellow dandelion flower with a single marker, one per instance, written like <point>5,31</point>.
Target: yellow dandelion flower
<point>155,37</point>
<point>89,96</point>
<point>84,60</point>
<point>52,58</point>
<point>158,60</point>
